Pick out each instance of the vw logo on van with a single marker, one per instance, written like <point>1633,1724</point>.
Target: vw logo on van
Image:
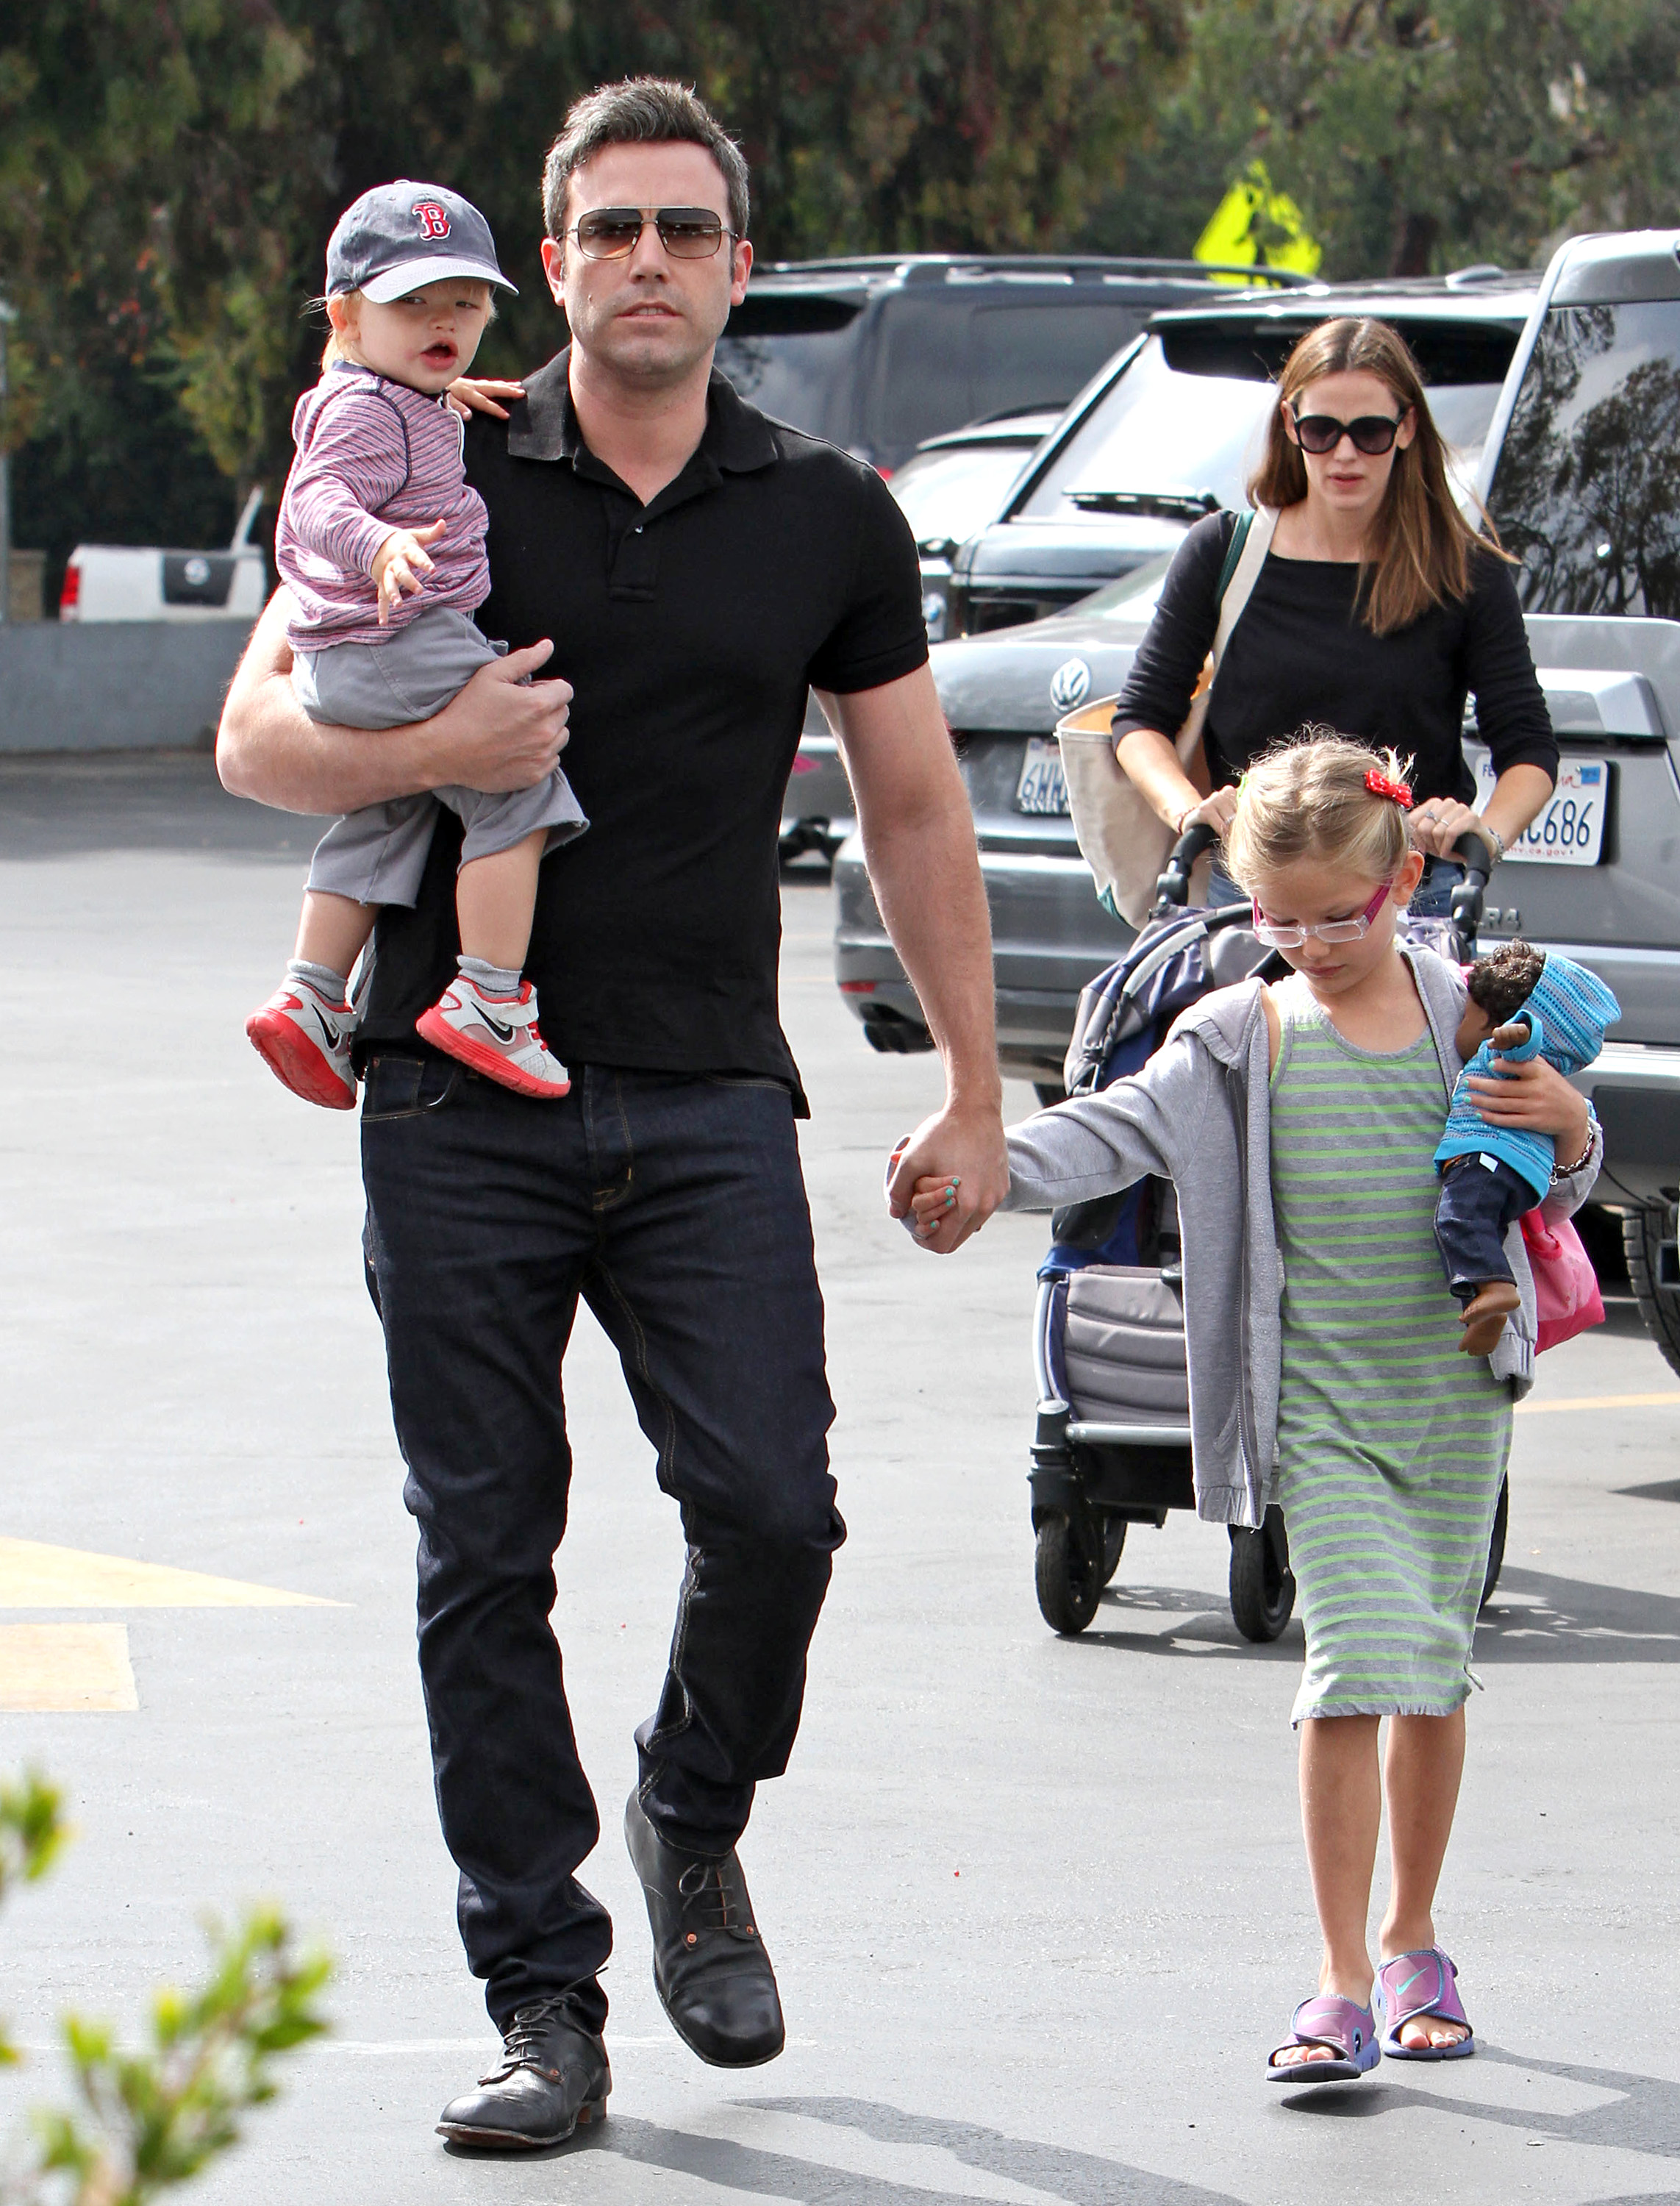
<point>1069,684</point>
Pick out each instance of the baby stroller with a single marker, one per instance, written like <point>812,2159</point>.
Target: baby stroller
<point>1113,1444</point>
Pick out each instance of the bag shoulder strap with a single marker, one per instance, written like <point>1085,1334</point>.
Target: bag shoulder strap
<point>1251,539</point>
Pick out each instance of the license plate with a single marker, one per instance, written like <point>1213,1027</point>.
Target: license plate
<point>1570,829</point>
<point>1042,787</point>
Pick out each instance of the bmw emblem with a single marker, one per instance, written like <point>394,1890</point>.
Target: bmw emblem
<point>1069,684</point>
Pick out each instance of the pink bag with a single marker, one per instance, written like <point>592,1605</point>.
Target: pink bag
<point>1566,1288</point>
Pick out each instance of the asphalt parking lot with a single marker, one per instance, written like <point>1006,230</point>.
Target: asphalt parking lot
<point>1037,1906</point>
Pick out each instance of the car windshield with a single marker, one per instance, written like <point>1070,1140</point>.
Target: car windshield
<point>789,355</point>
<point>1587,492</point>
<point>1186,420</point>
<point>949,496</point>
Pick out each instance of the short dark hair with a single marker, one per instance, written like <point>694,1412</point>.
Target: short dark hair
<point>1501,984</point>
<point>642,111</point>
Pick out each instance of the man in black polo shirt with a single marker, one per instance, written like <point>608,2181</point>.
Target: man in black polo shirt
<point>697,568</point>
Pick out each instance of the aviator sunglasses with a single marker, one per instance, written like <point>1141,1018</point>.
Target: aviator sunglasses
<point>1373,434</point>
<point>1282,937</point>
<point>688,233</point>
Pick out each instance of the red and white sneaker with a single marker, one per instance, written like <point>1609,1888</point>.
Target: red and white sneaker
<point>497,1035</point>
<point>305,1041</point>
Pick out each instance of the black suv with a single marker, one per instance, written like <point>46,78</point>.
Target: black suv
<point>880,353</point>
<point>1168,432</point>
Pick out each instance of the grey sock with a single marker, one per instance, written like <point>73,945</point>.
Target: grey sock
<point>492,980</point>
<point>321,978</point>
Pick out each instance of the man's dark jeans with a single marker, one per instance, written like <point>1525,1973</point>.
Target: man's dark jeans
<point>675,1206</point>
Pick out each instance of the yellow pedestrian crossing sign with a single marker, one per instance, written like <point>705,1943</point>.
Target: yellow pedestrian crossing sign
<point>1255,227</point>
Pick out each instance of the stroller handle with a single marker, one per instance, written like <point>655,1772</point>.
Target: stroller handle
<point>1172,889</point>
<point>1477,860</point>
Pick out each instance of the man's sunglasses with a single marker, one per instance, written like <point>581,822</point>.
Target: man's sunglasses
<point>688,233</point>
<point>1282,936</point>
<point>1372,433</point>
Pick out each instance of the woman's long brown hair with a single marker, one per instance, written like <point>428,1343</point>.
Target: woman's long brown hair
<point>1421,553</point>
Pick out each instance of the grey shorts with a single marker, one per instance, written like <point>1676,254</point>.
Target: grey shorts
<point>378,854</point>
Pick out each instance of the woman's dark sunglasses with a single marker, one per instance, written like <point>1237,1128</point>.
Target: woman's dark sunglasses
<point>614,233</point>
<point>1372,433</point>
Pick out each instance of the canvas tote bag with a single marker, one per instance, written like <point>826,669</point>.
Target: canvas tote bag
<point>1120,837</point>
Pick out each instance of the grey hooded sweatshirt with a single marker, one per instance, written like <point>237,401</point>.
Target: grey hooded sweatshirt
<point>1199,1113</point>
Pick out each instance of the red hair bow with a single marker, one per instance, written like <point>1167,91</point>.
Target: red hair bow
<point>1379,785</point>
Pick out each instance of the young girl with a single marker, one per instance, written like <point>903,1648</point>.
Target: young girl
<point>1299,1121</point>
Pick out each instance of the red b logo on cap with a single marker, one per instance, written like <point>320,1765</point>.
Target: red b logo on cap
<point>432,219</point>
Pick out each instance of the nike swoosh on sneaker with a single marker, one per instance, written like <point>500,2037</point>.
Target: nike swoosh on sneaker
<point>501,1033</point>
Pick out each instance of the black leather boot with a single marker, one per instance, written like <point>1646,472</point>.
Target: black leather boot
<point>552,2075</point>
<point>710,1968</point>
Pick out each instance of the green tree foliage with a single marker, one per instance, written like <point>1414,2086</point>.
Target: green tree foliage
<point>1419,138</point>
<point>148,2120</point>
<point>170,170</point>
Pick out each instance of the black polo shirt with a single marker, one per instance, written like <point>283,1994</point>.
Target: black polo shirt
<point>690,630</point>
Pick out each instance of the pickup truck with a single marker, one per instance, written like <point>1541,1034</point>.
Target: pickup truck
<point>144,582</point>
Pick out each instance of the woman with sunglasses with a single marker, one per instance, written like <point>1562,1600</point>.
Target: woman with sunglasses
<point>1377,608</point>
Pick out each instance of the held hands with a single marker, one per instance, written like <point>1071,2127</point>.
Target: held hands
<point>942,1206</point>
<point>400,562</point>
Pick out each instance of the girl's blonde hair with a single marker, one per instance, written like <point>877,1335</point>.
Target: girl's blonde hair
<point>334,348</point>
<point>1421,553</point>
<point>1311,798</point>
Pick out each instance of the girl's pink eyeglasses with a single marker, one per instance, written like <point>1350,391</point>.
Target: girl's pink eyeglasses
<point>1329,930</point>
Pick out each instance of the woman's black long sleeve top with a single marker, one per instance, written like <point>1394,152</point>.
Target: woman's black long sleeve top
<point>1301,653</point>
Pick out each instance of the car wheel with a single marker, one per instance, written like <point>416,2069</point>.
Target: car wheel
<point>1648,1241</point>
<point>1069,1582</point>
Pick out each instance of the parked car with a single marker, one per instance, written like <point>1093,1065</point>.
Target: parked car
<point>1580,468</point>
<point>949,486</point>
<point>1168,431</point>
<point>879,354</point>
<point>1186,406</point>
<point>882,353</point>
<point>952,485</point>
<point>142,582</point>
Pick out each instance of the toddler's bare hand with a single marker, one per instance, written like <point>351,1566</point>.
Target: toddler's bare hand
<point>477,394</point>
<point>399,564</point>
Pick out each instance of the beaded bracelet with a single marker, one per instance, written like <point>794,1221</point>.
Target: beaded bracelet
<point>1568,1172</point>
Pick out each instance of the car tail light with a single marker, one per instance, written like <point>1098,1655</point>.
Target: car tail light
<point>802,764</point>
<point>70,598</point>
<point>857,987</point>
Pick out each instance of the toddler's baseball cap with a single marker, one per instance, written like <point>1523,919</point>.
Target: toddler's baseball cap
<point>399,236</point>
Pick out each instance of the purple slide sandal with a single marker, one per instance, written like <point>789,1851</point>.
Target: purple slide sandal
<point>1344,2029</point>
<point>1409,1989</point>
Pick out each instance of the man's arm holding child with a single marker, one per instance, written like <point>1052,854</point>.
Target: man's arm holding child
<point>501,732</point>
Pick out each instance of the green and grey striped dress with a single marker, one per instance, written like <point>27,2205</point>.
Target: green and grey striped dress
<point>1391,1443</point>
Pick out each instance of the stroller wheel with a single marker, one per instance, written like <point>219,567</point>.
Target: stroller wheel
<point>1262,1584</point>
<point>1068,1580</point>
<point>1114,1546</point>
<point>1496,1545</point>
